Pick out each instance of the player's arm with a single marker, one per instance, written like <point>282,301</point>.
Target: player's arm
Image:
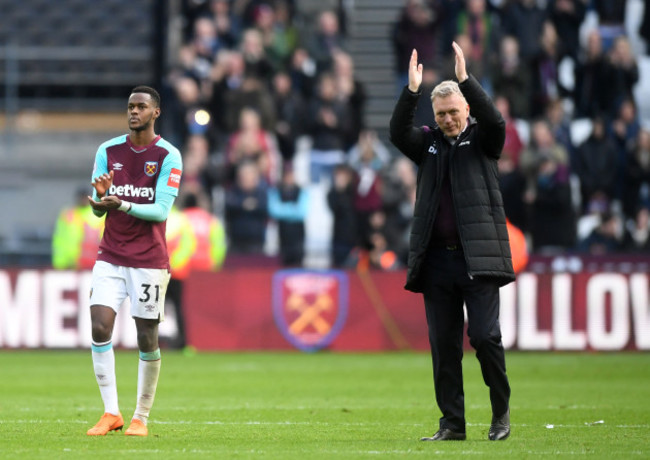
<point>166,192</point>
<point>101,181</point>
<point>403,134</point>
<point>155,212</point>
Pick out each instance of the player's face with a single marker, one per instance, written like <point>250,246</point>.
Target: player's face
<point>451,114</point>
<point>141,111</point>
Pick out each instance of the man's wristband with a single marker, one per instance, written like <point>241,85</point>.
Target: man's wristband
<point>125,206</point>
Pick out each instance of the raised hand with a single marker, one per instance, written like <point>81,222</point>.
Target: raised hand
<point>415,72</point>
<point>461,67</point>
<point>103,183</point>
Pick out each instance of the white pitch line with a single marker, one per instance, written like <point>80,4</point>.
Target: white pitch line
<point>426,452</point>
<point>316,423</point>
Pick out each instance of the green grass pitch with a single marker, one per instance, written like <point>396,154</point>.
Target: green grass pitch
<point>324,406</point>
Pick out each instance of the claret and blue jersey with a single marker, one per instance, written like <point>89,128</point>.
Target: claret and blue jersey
<point>149,177</point>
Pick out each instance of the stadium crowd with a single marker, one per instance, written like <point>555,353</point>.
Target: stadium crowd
<point>256,80</point>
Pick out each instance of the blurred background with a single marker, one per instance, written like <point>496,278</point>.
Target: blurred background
<point>305,89</point>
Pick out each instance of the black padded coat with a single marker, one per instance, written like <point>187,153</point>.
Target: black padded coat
<point>472,163</point>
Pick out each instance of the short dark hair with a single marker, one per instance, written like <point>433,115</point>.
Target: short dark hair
<point>148,90</point>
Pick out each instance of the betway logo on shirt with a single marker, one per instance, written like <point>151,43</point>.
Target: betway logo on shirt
<point>129,190</point>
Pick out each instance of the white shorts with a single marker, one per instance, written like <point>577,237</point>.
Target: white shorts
<point>145,288</point>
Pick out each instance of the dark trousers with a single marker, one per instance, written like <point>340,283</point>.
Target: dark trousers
<point>446,287</point>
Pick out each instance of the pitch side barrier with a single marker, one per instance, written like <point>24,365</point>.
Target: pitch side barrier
<point>556,304</point>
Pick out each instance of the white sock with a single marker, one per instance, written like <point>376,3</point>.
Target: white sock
<point>104,366</point>
<point>148,371</point>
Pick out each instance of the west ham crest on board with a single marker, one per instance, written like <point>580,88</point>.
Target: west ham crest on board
<point>309,306</point>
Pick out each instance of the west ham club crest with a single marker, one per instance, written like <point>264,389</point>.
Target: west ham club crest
<point>150,168</point>
<point>310,307</point>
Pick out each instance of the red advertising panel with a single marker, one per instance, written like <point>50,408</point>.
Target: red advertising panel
<point>558,304</point>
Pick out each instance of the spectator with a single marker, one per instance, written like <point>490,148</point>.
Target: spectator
<point>227,24</point>
<point>637,232</point>
<point>605,238</point>
<point>256,62</point>
<point>352,92</point>
<point>591,216</point>
<point>560,123</point>
<point>567,17</point>
<point>513,144</point>
<point>398,198</point>
<point>328,124</point>
<point>226,79</point>
<point>247,9</point>
<point>279,36</point>
<point>205,41</point>
<point>325,41</point>
<point>290,114</point>
<point>247,211</point>
<point>379,251</point>
<point>482,31</point>
<point>186,101</point>
<point>596,165</point>
<point>524,20</point>
<point>611,19</point>
<point>416,28</point>
<point>288,205</point>
<point>511,78</point>
<point>513,187</point>
<point>253,94</point>
<point>624,129</point>
<point>253,143</point>
<point>340,199</point>
<point>544,65</point>
<point>369,152</point>
<point>190,64</point>
<point>552,216</point>
<point>590,96</point>
<point>621,74</point>
<point>511,180</point>
<point>302,71</point>
<point>196,155</point>
<point>637,175</point>
<point>447,14</point>
<point>370,156</point>
<point>542,147</point>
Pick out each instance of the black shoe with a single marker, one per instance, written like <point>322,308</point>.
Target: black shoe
<point>445,434</point>
<point>500,427</point>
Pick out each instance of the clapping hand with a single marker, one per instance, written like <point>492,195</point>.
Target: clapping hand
<point>461,67</point>
<point>415,73</point>
<point>102,184</point>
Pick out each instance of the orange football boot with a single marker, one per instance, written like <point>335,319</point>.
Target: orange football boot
<point>137,428</point>
<point>108,422</point>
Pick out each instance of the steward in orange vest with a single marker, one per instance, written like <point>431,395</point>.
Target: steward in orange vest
<point>76,237</point>
<point>209,234</point>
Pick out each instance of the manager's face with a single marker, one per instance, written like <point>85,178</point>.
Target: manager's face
<point>451,114</point>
